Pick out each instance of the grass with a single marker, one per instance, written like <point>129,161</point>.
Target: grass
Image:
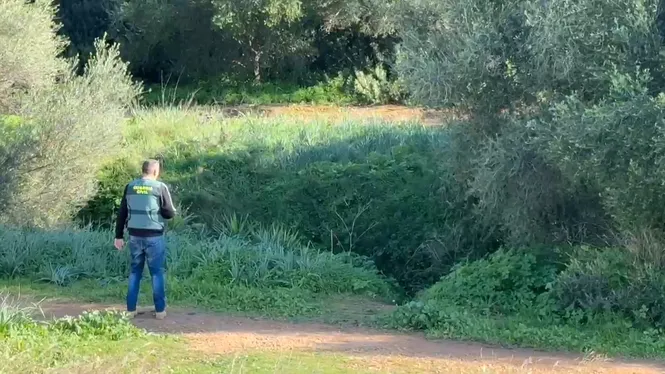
<point>264,271</point>
<point>32,346</point>
<point>332,92</point>
<point>611,337</point>
<point>343,309</point>
<point>107,342</point>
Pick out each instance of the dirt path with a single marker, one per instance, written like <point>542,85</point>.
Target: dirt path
<point>336,114</point>
<point>222,335</point>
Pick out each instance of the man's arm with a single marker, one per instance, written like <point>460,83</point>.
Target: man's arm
<point>122,216</point>
<point>167,209</point>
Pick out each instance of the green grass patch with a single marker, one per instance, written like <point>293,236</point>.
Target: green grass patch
<point>263,272</point>
<point>332,92</point>
<point>28,345</point>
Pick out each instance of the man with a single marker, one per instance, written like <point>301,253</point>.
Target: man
<point>146,204</point>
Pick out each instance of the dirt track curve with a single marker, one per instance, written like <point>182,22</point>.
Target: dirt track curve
<point>222,335</point>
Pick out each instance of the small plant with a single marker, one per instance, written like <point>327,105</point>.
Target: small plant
<point>376,88</point>
<point>61,275</point>
<point>13,313</point>
<point>108,324</point>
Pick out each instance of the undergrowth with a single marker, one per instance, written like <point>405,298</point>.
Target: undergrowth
<point>334,185</point>
<point>265,272</point>
<point>515,298</point>
<point>39,345</point>
<point>331,92</point>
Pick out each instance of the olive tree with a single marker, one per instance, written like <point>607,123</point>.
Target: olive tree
<point>58,127</point>
<point>261,27</point>
<point>538,80</point>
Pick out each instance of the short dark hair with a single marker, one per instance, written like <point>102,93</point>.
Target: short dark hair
<point>149,166</point>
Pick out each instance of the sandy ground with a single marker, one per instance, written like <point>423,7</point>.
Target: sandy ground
<point>214,334</point>
<point>333,114</point>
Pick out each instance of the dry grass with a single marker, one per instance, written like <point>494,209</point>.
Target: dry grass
<point>336,114</point>
<point>409,365</point>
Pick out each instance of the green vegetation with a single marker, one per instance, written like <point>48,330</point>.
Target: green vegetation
<point>30,345</point>
<point>334,185</point>
<point>299,42</point>
<point>57,122</point>
<point>264,270</point>
<point>109,341</point>
<point>534,221</point>
<point>334,92</point>
<point>516,298</point>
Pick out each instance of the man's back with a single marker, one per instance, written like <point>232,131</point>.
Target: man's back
<point>145,205</point>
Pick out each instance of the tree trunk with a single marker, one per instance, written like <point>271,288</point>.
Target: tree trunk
<point>257,66</point>
<point>256,61</point>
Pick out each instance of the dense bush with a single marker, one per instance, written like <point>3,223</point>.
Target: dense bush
<point>29,49</point>
<point>601,302</point>
<point>284,40</point>
<point>59,123</point>
<point>612,281</point>
<point>563,141</point>
<point>617,146</point>
<point>506,282</point>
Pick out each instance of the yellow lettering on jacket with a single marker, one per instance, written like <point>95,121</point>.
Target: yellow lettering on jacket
<point>142,190</point>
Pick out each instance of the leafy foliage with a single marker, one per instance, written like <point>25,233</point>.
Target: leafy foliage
<point>295,41</point>
<point>56,128</point>
<point>519,298</point>
<point>376,87</point>
<point>29,46</point>
<point>506,282</point>
<point>612,281</point>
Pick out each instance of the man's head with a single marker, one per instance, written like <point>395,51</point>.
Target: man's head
<point>150,169</point>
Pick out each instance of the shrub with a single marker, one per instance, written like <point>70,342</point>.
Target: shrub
<point>29,47</point>
<point>516,298</point>
<point>505,282</point>
<point>527,198</point>
<point>616,145</point>
<point>66,123</point>
<point>612,281</point>
<point>377,88</point>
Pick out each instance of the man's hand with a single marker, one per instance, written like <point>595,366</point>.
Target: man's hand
<point>119,244</point>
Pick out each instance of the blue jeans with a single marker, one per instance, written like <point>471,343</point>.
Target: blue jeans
<point>153,251</point>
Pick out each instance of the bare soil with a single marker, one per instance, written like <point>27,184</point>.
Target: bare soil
<point>214,334</point>
<point>329,113</point>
